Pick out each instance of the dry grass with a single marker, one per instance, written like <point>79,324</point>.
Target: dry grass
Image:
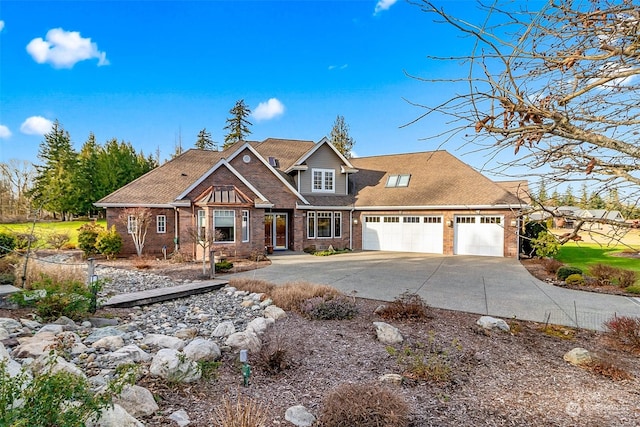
<point>408,306</point>
<point>610,367</point>
<point>252,285</point>
<point>364,405</point>
<point>244,412</point>
<point>58,273</point>
<point>290,296</point>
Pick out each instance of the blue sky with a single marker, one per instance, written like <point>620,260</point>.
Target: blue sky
<point>151,72</point>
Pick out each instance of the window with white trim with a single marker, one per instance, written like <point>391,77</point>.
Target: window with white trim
<point>202,224</point>
<point>224,224</point>
<point>337,224</point>
<point>324,224</point>
<point>323,180</point>
<point>311,225</point>
<point>398,180</point>
<point>245,226</point>
<point>391,219</point>
<point>132,224</point>
<point>433,220</point>
<point>466,219</point>
<point>161,224</point>
<point>411,219</point>
<point>371,219</point>
<point>490,220</point>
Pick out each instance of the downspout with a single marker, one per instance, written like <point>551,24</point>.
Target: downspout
<point>176,228</point>
<point>351,228</point>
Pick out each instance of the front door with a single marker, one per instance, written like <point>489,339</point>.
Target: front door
<point>276,230</point>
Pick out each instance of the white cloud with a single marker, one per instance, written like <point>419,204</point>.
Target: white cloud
<point>383,5</point>
<point>338,67</point>
<point>4,132</point>
<point>1,26</point>
<point>63,49</point>
<point>269,110</point>
<point>36,125</point>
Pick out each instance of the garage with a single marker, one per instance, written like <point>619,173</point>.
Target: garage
<point>479,235</point>
<point>403,233</point>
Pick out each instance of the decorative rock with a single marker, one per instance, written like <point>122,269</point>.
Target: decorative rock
<point>115,416</point>
<point>224,329</point>
<point>72,340</point>
<point>99,322</point>
<point>34,346</point>
<point>171,365</point>
<point>31,324</point>
<point>186,333</point>
<point>4,334</point>
<point>67,324</point>
<point>58,365</point>
<point>51,328</point>
<point>266,303</point>
<point>299,416</point>
<point>12,367</point>
<point>164,341</point>
<point>137,401</point>
<point>244,341</point>
<point>387,334</point>
<point>274,312</point>
<point>128,354</point>
<point>180,417</point>
<point>247,303</point>
<point>490,323</point>
<point>394,379</point>
<point>110,343</point>
<point>578,356</point>
<point>107,331</point>
<point>201,349</point>
<point>259,325</point>
<point>9,324</point>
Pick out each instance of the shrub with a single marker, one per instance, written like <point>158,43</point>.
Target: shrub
<point>53,398</point>
<point>67,298</point>
<point>275,354</point>
<point>633,289</point>
<point>223,266</point>
<point>422,362</point>
<point>602,273</point>
<point>87,238</point>
<point>329,307</point>
<point>23,240</point>
<point>252,285</point>
<point>363,405</point>
<point>626,278</point>
<point>58,240</point>
<point>608,367</point>
<point>290,296</point>
<point>7,243</point>
<point>109,243</point>
<point>551,265</point>
<point>546,245</point>
<point>407,306</point>
<point>566,271</point>
<point>574,280</point>
<point>245,412</point>
<point>624,330</point>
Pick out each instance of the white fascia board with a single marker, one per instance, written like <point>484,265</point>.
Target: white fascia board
<point>324,208</point>
<point>347,170</point>
<point>297,168</point>
<point>133,205</point>
<point>319,144</point>
<point>199,180</point>
<point>263,205</point>
<point>433,207</point>
<point>248,146</point>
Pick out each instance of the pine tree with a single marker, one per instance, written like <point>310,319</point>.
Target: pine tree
<point>237,124</point>
<point>205,142</point>
<point>85,176</point>
<point>542,193</point>
<point>584,197</point>
<point>340,138</point>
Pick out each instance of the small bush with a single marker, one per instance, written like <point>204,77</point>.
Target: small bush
<point>424,362</point>
<point>546,245</point>
<point>602,273</point>
<point>290,296</point>
<point>408,306</point>
<point>245,412</point>
<point>329,308</point>
<point>67,298</point>
<point>625,330</point>
<point>551,265</point>
<point>87,238</point>
<point>252,285</point>
<point>7,243</point>
<point>223,266</point>
<point>23,240</point>
<point>109,243</point>
<point>575,280</point>
<point>364,405</point>
<point>566,271</point>
<point>626,278</point>
<point>608,367</point>
<point>633,289</point>
<point>58,240</point>
<point>275,354</point>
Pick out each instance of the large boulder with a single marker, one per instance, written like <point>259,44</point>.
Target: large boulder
<point>164,341</point>
<point>490,323</point>
<point>224,329</point>
<point>299,416</point>
<point>111,343</point>
<point>246,340</point>
<point>99,333</point>
<point>201,349</point>
<point>274,312</point>
<point>578,356</point>
<point>123,356</point>
<point>387,334</point>
<point>172,365</point>
<point>259,325</point>
<point>35,346</point>
<point>137,401</point>
<point>114,416</point>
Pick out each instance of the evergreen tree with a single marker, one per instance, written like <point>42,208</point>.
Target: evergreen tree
<point>205,142</point>
<point>569,198</point>
<point>237,124</point>
<point>542,193</point>
<point>555,198</point>
<point>584,197</point>
<point>84,183</point>
<point>596,202</point>
<point>53,183</point>
<point>340,138</point>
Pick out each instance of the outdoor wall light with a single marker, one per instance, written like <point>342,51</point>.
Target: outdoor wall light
<point>355,221</point>
<point>514,222</point>
<point>449,223</point>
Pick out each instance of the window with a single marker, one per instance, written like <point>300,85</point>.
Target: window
<point>245,226</point>
<point>398,180</point>
<point>337,224</point>
<point>311,225</point>
<point>490,220</point>
<point>466,219</point>
<point>324,224</point>
<point>391,219</point>
<point>433,220</point>
<point>202,224</point>
<point>132,224</point>
<point>323,180</point>
<point>224,223</point>
<point>161,224</point>
<point>411,219</point>
<point>371,219</point>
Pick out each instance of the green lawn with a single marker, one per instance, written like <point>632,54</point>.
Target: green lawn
<point>583,255</point>
<point>44,229</point>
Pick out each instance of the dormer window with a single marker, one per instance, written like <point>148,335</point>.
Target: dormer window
<point>323,180</point>
<point>398,180</point>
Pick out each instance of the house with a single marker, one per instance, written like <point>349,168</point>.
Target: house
<point>565,217</point>
<point>291,195</point>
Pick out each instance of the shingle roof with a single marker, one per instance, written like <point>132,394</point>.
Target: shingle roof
<point>287,151</point>
<point>437,179</point>
<point>163,184</point>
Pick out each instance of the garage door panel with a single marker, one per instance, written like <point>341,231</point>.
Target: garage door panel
<point>479,235</point>
<point>403,233</point>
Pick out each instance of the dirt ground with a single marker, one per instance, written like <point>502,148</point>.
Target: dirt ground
<point>496,378</point>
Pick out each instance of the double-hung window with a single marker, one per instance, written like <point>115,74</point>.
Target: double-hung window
<point>323,181</point>
<point>224,223</point>
<point>324,224</point>
<point>202,224</point>
<point>161,224</point>
<point>132,224</point>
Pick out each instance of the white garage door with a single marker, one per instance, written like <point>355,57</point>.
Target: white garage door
<point>479,235</point>
<point>403,233</point>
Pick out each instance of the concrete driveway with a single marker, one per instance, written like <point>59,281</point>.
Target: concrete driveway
<point>484,285</point>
